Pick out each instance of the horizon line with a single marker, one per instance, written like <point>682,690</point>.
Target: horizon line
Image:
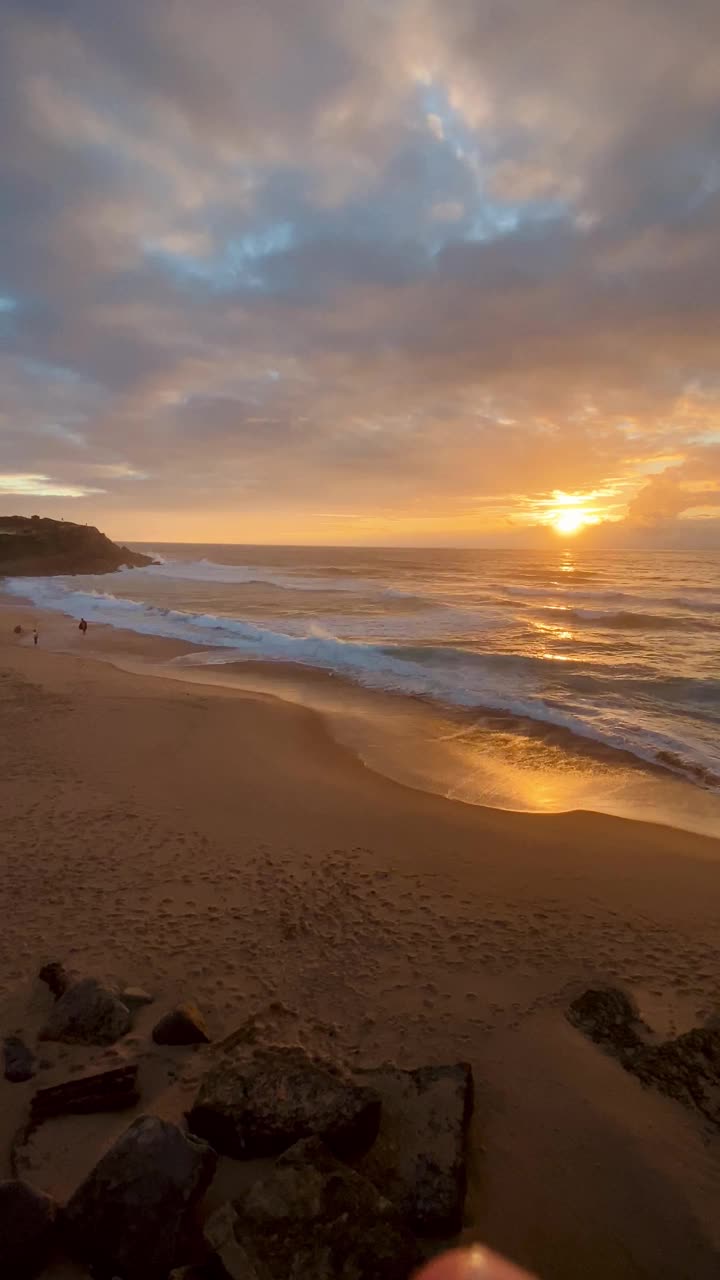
<point>384,546</point>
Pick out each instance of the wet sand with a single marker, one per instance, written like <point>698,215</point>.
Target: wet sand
<point>209,843</point>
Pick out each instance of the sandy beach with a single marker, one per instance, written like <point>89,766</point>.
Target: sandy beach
<point>208,843</point>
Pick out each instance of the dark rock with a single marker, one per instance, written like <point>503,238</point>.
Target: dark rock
<point>311,1218</point>
<point>190,1273</point>
<point>56,977</point>
<point>259,1101</point>
<point>609,1017</point>
<point>27,1228</point>
<point>127,1217</point>
<point>135,998</point>
<point>686,1068</point>
<point>419,1160</point>
<point>183,1025</point>
<point>111,1090</point>
<point>19,1061</point>
<point>87,1013</point>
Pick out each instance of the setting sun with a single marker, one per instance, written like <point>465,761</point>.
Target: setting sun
<point>570,521</point>
<point>568,514</point>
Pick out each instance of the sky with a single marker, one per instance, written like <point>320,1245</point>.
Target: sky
<point>437,272</point>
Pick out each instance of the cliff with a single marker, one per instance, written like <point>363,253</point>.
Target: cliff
<point>35,547</point>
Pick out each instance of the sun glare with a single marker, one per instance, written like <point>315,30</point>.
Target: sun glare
<point>570,520</point>
<point>568,514</point>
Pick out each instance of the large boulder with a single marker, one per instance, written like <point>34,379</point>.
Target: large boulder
<point>87,1013</point>
<point>19,1060</point>
<point>311,1218</point>
<point>27,1229</point>
<point>183,1025</point>
<point>258,1101</point>
<point>419,1160</point>
<point>127,1217</point>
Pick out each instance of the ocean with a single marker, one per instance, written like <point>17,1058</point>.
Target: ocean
<point>537,680</point>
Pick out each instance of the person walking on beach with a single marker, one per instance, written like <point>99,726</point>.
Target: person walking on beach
<point>35,635</point>
<point>83,626</point>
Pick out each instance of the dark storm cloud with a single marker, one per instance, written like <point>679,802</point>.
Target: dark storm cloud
<point>409,251</point>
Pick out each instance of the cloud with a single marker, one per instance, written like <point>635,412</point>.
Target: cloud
<point>690,487</point>
<point>42,487</point>
<point>421,257</point>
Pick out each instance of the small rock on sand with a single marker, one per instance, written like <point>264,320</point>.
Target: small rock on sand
<point>56,977</point>
<point>27,1228</point>
<point>259,1101</point>
<point>87,1013</point>
<point>183,1025</point>
<point>127,1217</point>
<point>135,998</point>
<point>311,1218</point>
<point>19,1060</point>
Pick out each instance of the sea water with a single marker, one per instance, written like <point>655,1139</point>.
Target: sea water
<point>541,680</point>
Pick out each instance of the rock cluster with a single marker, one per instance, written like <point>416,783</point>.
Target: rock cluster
<point>356,1164</point>
<point>357,1167</point>
<point>367,1161</point>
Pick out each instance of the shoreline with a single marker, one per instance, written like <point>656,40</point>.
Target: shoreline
<point>617,783</point>
<point>217,845</point>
